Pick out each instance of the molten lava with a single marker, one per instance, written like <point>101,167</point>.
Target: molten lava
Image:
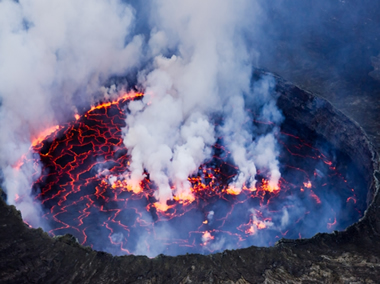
<point>84,193</point>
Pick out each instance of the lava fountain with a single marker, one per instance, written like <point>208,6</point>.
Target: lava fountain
<point>83,191</point>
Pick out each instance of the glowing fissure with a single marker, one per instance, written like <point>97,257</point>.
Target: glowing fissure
<point>85,192</point>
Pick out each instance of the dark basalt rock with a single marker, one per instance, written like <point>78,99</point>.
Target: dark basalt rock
<point>31,256</point>
<point>375,74</point>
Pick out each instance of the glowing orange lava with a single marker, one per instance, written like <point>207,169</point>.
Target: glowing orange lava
<point>42,136</point>
<point>84,192</point>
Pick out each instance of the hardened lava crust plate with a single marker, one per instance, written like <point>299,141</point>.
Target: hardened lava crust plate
<point>353,255</point>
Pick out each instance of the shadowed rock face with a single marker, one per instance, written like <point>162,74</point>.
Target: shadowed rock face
<point>31,256</point>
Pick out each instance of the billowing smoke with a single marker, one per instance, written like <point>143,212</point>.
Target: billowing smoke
<point>194,61</point>
<point>54,56</point>
<point>208,74</point>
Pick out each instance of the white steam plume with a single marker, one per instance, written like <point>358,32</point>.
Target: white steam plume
<point>170,132</point>
<point>249,148</point>
<point>54,55</point>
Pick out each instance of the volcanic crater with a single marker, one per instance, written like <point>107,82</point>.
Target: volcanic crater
<point>340,168</point>
<point>83,191</point>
